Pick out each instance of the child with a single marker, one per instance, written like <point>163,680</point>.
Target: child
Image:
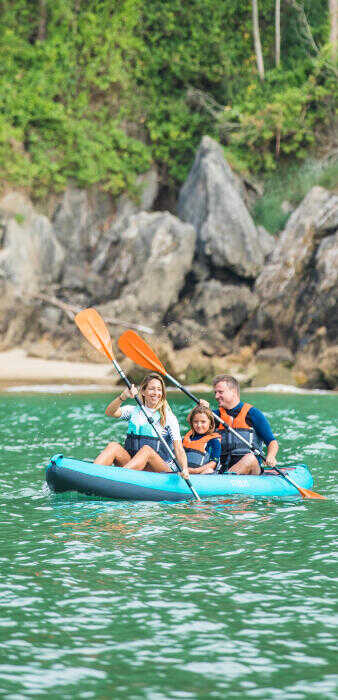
<point>202,444</point>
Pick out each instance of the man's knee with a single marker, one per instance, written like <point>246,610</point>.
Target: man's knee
<point>248,464</point>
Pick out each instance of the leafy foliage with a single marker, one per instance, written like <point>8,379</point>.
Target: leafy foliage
<point>286,189</point>
<point>95,90</point>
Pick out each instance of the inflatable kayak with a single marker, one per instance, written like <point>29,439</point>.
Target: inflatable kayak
<point>67,474</point>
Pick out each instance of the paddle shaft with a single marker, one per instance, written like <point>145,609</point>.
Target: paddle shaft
<point>152,423</point>
<point>102,342</point>
<point>257,453</point>
<point>137,349</point>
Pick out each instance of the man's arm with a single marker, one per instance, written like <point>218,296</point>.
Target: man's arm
<point>263,429</point>
<point>272,450</point>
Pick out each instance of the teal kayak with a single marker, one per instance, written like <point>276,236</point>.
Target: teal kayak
<point>68,474</point>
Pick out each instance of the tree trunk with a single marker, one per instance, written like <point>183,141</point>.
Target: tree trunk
<point>42,20</point>
<point>277,33</point>
<point>333,11</point>
<point>257,40</point>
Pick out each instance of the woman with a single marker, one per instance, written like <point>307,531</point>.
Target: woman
<point>142,448</point>
<point>202,444</point>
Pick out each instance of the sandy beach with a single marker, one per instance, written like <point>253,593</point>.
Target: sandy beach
<point>16,368</point>
<point>18,372</point>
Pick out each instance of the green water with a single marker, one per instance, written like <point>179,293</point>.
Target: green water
<point>232,598</point>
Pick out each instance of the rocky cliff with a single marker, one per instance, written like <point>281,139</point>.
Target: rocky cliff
<point>218,293</point>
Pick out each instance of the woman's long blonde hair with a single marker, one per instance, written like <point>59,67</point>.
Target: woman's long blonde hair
<point>162,405</point>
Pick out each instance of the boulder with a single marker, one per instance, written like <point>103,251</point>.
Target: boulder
<point>71,221</point>
<point>31,257</point>
<point>267,241</point>
<point>328,364</point>
<point>297,290</point>
<point>192,366</point>
<point>223,307</point>
<point>83,219</point>
<point>281,355</point>
<point>145,266</point>
<point>147,189</point>
<point>216,311</point>
<point>210,200</point>
<point>317,362</point>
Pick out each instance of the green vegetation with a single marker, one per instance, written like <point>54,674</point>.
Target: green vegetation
<point>96,90</point>
<point>290,186</point>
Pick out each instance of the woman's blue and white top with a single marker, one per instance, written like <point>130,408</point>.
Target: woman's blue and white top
<point>138,425</point>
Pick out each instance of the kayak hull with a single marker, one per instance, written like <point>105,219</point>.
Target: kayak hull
<point>68,474</point>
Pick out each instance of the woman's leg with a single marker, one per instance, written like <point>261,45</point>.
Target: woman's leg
<point>147,458</point>
<point>114,452</point>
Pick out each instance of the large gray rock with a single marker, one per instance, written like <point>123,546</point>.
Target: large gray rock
<point>31,257</point>
<point>147,191</point>
<point>223,307</point>
<point>210,200</point>
<point>72,221</point>
<point>267,241</point>
<point>298,289</point>
<point>215,311</point>
<point>83,219</point>
<point>145,266</point>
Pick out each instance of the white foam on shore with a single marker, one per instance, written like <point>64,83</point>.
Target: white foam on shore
<point>199,388</point>
<point>286,389</point>
<point>58,388</point>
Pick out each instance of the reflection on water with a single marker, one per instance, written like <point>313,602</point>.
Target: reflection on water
<point>228,598</point>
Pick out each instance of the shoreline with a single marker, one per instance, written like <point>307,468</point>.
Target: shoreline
<point>22,374</point>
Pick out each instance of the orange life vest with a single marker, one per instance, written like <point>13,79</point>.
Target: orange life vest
<point>239,421</point>
<point>195,449</point>
<point>232,447</point>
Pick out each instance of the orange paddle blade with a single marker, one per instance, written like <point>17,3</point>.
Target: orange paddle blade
<point>306,493</point>
<point>93,327</point>
<point>139,351</point>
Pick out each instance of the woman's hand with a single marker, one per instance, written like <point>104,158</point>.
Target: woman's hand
<point>114,408</point>
<point>129,393</point>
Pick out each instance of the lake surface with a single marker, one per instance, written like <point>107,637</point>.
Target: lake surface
<point>231,598</point>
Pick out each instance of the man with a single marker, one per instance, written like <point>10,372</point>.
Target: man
<point>248,422</point>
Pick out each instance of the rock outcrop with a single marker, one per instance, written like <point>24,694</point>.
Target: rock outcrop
<point>211,201</point>
<point>298,290</point>
<point>30,255</point>
<point>144,268</point>
<point>220,294</point>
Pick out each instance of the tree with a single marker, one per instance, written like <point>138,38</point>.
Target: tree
<point>257,40</point>
<point>333,12</point>
<point>42,20</point>
<point>277,33</point>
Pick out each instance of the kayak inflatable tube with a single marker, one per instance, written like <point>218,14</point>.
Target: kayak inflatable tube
<point>67,474</point>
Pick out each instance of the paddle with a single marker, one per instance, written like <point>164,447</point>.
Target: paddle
<point>139,351</point>
<point>94,329</point>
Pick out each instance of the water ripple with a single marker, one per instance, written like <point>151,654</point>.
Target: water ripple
<point>230,598</point>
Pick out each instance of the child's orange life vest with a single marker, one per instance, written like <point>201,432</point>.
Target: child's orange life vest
<point>196,449</point>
